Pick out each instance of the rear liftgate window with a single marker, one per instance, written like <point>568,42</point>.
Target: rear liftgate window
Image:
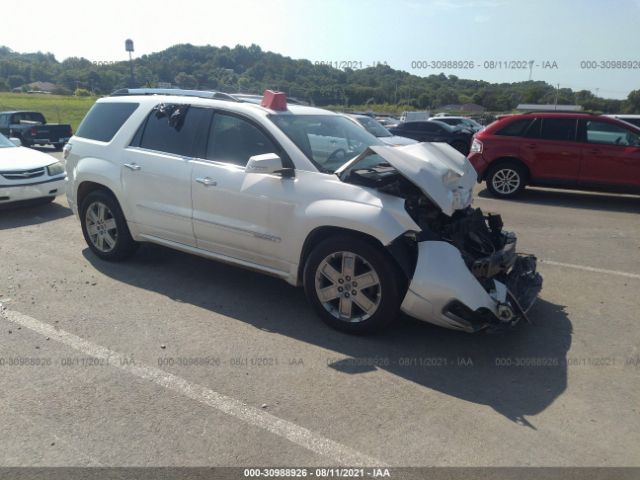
<point>104,120</point>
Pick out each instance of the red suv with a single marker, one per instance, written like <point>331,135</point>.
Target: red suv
<point>565,150</point>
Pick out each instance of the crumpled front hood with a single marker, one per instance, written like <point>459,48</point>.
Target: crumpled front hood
<point>442,173</point>
<point>396,140</point>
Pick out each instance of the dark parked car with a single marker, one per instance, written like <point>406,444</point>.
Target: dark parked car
<point>32,129</point>
<point>566,150</point>
<point>431,131</point>
<point>464,122</point>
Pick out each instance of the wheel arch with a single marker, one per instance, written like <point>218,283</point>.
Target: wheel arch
<point>92,174</point>
<point>399,252</point>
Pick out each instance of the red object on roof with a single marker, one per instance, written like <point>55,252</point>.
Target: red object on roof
<point>274,100</point>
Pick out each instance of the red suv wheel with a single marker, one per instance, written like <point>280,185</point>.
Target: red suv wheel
<point>506,180</point>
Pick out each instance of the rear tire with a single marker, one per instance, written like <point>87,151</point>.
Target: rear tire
<point>506,180</point>
<point>57,147</point>
<point>105,228</point>
<point>353,286</point>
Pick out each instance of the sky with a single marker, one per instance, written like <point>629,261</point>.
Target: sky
<point>558,36</point>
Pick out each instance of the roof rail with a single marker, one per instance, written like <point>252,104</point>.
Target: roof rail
<point>257,98</point>
<point>561,112</point>
<point>174,91</point>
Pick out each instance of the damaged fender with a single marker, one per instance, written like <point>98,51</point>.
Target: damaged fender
<point>443,291</point>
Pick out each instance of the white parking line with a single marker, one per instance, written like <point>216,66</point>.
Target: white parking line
<point>294,433</point>
<point>592,269</point>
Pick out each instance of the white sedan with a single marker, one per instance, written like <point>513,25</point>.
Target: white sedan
<point>27,174</point>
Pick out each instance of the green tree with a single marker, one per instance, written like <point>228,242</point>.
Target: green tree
<point>632,104</point>
<point>184,80</point>
<point>15,81</point>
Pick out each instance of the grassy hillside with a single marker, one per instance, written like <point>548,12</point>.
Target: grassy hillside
<point>56,108</point>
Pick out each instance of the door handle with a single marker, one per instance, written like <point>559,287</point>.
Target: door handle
<point>207,181</point>
<point>531,145</point>
<point>595,151</point>
<point>565,154</point>
<point>133,166</point>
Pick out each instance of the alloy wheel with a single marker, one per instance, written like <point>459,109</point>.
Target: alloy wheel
<point>348,287</point>
<point>101,227</point>
<point>506,181</point>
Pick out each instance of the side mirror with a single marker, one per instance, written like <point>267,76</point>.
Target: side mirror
<point>267,164</point>
<point>16,141</point>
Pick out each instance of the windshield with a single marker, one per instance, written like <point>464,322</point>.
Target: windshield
<point>374,127</point>
<point>5,142</point>
<point>329,141</point>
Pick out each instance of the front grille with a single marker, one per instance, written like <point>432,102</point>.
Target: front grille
<point>23,174</point>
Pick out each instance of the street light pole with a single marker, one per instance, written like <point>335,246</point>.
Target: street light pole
<point>128,45</point>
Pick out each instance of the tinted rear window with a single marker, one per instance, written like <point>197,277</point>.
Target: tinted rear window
<point>515,128</point>
<point>26,117</point>
<point>104,120</point>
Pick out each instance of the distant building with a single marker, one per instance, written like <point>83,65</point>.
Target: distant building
<point>41,87</point>
<point>464,107</point>
<point>532,107</point>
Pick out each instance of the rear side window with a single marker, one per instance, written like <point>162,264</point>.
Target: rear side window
<point>173,128</point>
<point>515,128</point>
<point>104,120</point>
<point>558,129</point>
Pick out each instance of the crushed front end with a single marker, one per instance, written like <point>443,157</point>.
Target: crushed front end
<point>468,275</point>
<point>462,267</point>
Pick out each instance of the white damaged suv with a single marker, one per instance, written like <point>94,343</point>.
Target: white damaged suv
<point>302,194</point>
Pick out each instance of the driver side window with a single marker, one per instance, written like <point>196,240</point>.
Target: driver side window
<point>609,134</point>
<point>235,140</point>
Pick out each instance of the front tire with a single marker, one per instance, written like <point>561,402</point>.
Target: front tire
<point>353,286</point>
<point>105,228</point>
<point>506,180</point>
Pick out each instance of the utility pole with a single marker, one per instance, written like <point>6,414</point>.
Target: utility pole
<point>557,93</point>
<point>128,46</point>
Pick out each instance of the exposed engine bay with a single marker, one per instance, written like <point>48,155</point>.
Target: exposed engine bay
<point>487,250</point>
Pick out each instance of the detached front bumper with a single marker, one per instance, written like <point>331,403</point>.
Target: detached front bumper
<point>445,292</point>
<point>17,193</point>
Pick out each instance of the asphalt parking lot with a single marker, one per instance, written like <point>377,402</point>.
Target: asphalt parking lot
<point>170,359</point>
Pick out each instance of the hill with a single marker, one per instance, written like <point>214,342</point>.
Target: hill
<point>250,69</point>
